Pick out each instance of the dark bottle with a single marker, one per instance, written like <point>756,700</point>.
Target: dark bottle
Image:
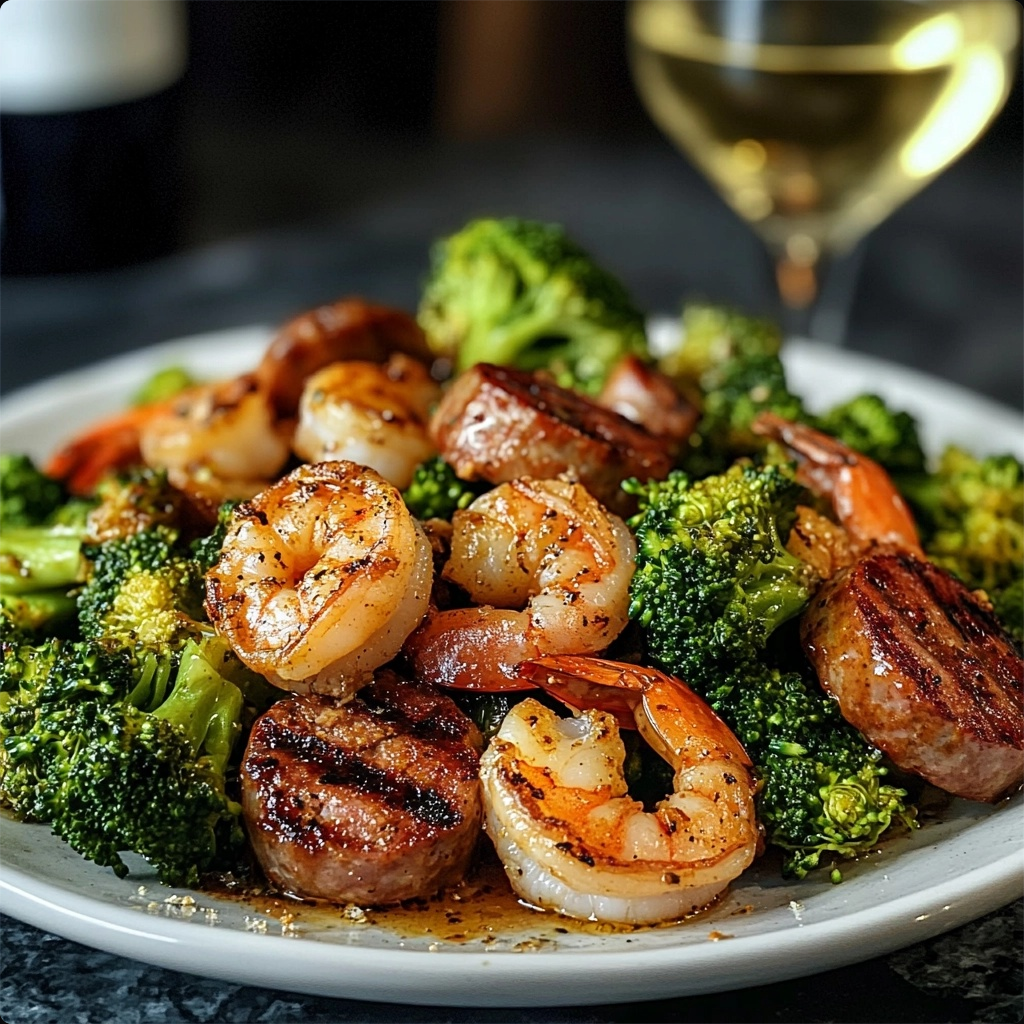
<point>90,156</point>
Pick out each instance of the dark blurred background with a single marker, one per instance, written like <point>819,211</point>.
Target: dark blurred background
<point>316,149</point>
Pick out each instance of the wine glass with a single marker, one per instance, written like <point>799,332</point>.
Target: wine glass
<point>815,119</point>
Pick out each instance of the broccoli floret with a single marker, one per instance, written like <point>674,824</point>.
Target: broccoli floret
<point>34,558</point>
<point>45,612</point>
<point>733,395</point>
<point>822,783</point>
<point>970,512</point>
<point>521,293</point>
<point>39,683</point>
<point>866,424</point>
<point>206,550</point>
<point>1008,605</point>
<point>710,337</point>
<point>144,587</point>
<point>713,584</point>
<point>40,548</point>
<point>137,500</point>
<point>713,578</point>
<point>435,492</point>
<point>28,497</point>
<point>163,384</point>
<point>41,530</point>
<point>126,749</point>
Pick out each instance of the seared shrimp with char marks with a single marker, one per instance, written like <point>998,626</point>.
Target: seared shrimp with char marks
<point>321,578</point>
<point>375,414</point>
<point>223,438</point>
<point>570,837</point>
<point>549,570</point>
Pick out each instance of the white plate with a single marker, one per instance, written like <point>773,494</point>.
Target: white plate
<point>941,876</point>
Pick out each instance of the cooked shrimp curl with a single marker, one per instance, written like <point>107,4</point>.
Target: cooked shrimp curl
<point>221,439</point>
<point>557,809</point>
<point>372,413</point>
<point>863,496</point>
<point>322,577</point>
<point>548,568</point>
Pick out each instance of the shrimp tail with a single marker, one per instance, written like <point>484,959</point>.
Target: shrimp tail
<point>581,683</point>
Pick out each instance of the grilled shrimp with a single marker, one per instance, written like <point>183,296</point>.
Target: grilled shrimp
<point>557,810</point>
<point>549,570</point>
<point>375,414</point>
<point>222,437</point>
<point>864,498</point>
<point>322,577</point>
<point>916,661</point>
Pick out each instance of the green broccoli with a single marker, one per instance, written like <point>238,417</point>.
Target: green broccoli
<point>712,336</point>
<point>521,293</point>
<point>435,492</point>
<point>145,587</point>
<point>713,585</point>
<point>206,550</point>
<point>970,512</point>
<point>713,578</point>
<point>34,558</point>
<point>822,783</point>
<point>868,425</point>
<point>126,749</point>
<point>164,384</point>
<point>41,533</point>
<point>39,680</point>
<point>140,498</point>
<point>1008,606</point>
<point>44,612</point>
<point>734,393</point>
<point>28,497</point>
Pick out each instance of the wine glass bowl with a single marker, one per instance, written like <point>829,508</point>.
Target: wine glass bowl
<point>815,119</point>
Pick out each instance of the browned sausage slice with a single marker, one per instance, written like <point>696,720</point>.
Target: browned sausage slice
<point>372,801</point>
<point>922,669</point>
<point>499,424</point>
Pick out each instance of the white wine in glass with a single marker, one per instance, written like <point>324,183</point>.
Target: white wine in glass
<point>815,119</point>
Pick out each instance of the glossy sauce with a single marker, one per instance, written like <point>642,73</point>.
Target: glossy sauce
<point>483,907</point>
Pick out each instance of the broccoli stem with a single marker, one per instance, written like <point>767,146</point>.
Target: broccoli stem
<point>39,558</point>
<point>205,706</point>
<point>46,611</point>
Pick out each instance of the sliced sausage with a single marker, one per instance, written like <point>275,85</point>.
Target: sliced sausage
<point>498,424</point>
<point>920,666</point>
<point>372,801</point>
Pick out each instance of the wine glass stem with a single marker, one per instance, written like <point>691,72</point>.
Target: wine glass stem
<point>799,288</point>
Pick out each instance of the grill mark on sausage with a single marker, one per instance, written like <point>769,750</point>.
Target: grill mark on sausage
<point>374,800</point>
<point>960,685</point>
<point>921,667</point>
<point>336,766</point>
<point>541,430</point>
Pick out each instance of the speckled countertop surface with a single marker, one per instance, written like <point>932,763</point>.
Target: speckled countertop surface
<point>970,974</point>
<point>940,289</point>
